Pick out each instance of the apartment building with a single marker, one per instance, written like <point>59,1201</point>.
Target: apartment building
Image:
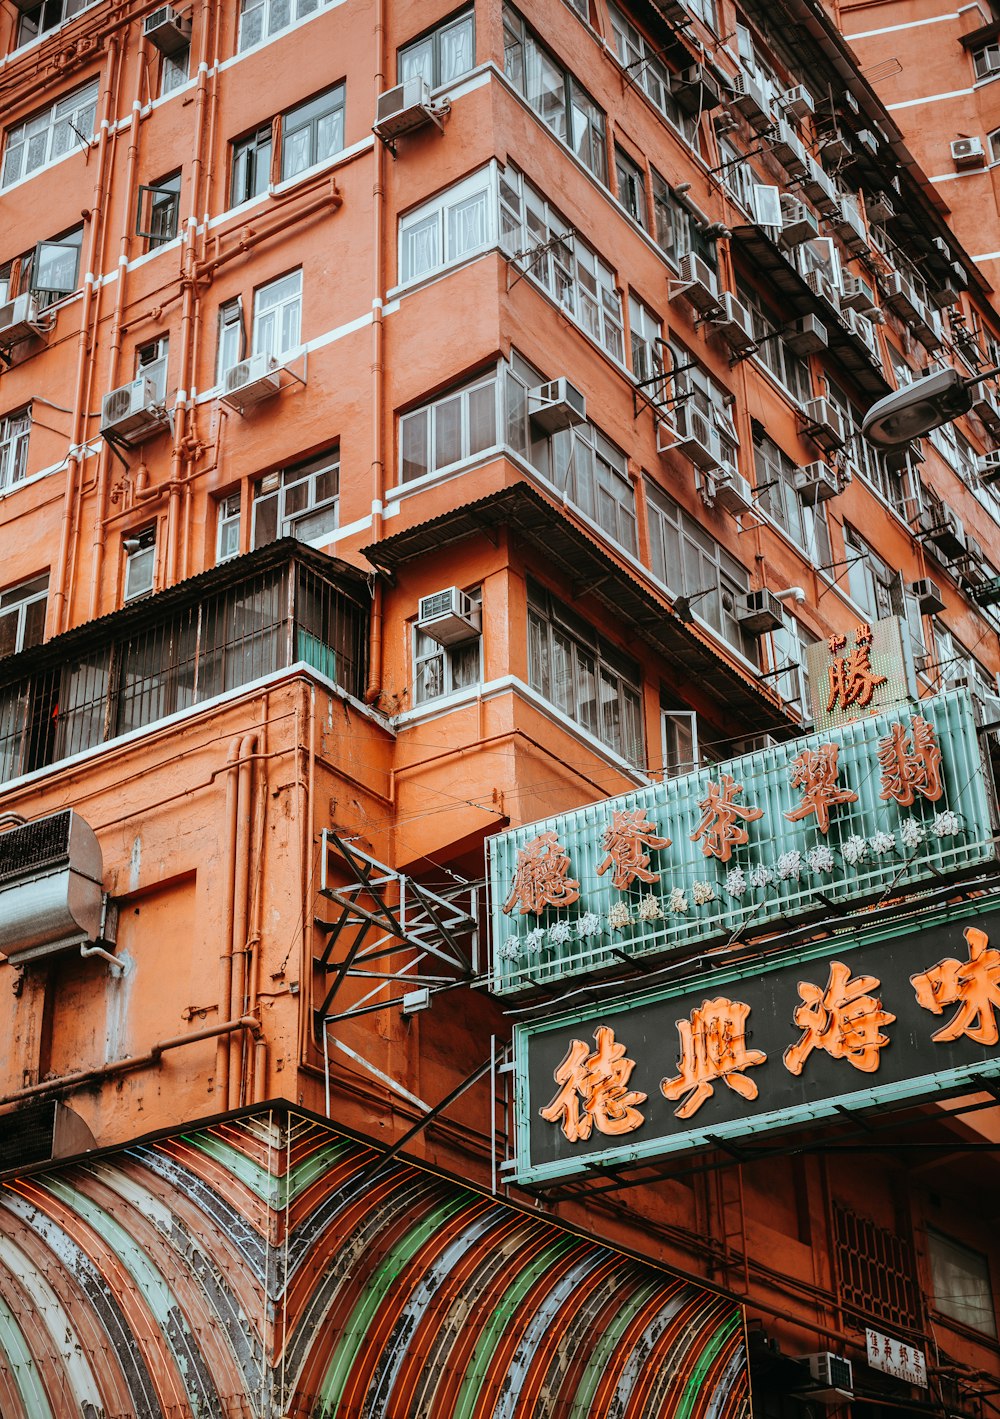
<point>451,624</point>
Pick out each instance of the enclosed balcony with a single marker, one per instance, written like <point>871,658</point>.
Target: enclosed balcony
<point>215,633</point>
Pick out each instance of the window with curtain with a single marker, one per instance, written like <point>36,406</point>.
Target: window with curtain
<point>442,56</point>
<point>802,517</point>
<point>312,132</point>
<point>57,130</point>
<point>640,57</point>
<point>15,431</point>
<point>454,225</point>
<point>277,315</point>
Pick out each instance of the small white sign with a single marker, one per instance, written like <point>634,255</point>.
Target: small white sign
<point>895,1357</point>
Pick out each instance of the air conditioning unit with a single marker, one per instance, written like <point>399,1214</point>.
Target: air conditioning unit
<point>818,187</point>
<point>817,482</point>
<point>732,492</point>
<point>403,108</point>
<point>760,612</point>
<point>824,424</point>
<point>835,148</point>
<point>556,405</point>
<point>798,101</point>
<point>945,295</point>
<point>733,323</point>
<point>168,31</point>
<point>51,897</point>
<point>19,319</point>
<point>986,408</point>
<point>857,294</point>
<point>696,90</point>
<point>832,1374</point>
<point>823,287</point>
<point>968,152</point>
<point>449,616</point>
<point>134,412</point>
<point>787,148</point>
<point>989,468</point>
<point>806,336</point>
<point>695,435</point>
<point>849,225</point>
<point>880,208</point>
<point>697,285</point>
<point>939,525</point>
<point>799,222</point>
<point>928,596</point>
<point>898,294</point>
<point>251,381</point>
<point>868,140</point>
<point>749,99</point>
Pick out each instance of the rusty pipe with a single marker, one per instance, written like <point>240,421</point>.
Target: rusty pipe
<point>241,887</point>
<point>226,955</point>
<point>375,628</point>
<point>204,271</point>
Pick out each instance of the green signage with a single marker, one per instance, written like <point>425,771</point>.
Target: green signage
<point>872,809</point>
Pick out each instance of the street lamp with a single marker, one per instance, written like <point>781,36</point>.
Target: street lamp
<point>917,408</point>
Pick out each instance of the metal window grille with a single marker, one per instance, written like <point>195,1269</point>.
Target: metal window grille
<point>876,1270</point>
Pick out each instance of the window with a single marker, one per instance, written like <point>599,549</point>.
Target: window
<point>227,527</point>
<point>960,1283</point>
<point>15,430</point>
<point>789,369</point>
<point>261,19</point>
<point>53,269</point>
<point>441,56</point>
<point>159,210</point>
<point>674,229</point>
<point>22,615</point>
<point>454,225</point>
<point>593,474</point>
<point>452,429</point>
<point>151,361</point>
<point>312,132</point>
<point>789,642</point>
<point>870,580</point>
<point>702,409</point>
<point>277,315</point>
<point>300,501</point>
<point>50,134</point>
<point>689,561</point>
<point>560,261</point>
<point>565,108</point>
<point>439,670</point>
<point>251,166</point>
<point>39,19</point>
<point>679,730</point>
<point>576,670</point>
<point>986,60</point>
<point>646,338</point>
<point>994,141</point>
<point>175,70</point>
<point>631,188</point>
<point>232,337</point>
<point>801,516</point>
<point>646,69</point>
<point>140,563</point>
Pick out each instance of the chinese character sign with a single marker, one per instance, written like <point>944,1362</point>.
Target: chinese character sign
<point>862,671</point>
<point>783,1044</point>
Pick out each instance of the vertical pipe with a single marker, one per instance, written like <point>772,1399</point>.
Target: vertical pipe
<point>374,687</point>
<point>241,884</point>
<point>226,956</point>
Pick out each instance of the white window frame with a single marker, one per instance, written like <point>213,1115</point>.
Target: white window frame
<point>644,67</point>
<point>318,508</point>
<point>227,526</point>
<point>140,564</point>
<point>50,134</point>
<point>15,604</point>
<point>175,71</point>
<point>645,344</point>
<point>456,408</point>
<point>277,315</point>
<point>986,60</point>
<point>440,670</point>
<point>15,433</point>
<point>435,235</point>
<point>232,337</point>
<point>429,55</point>
<point>276,15</point>
<point>678,728</point>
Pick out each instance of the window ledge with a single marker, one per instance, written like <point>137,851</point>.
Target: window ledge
<point>267,40</point>
<point>173,245</point>
<point>335,160</point>
<point>74,152</point>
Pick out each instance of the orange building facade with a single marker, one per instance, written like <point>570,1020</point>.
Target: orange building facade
<point>366,492</point>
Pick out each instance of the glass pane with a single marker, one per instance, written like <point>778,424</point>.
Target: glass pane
<point>417,60</point>
<point>467,223</point>
<point>482,418</point>
<point>457,49</point>
<point>413,439</point>
<point>448,432</point>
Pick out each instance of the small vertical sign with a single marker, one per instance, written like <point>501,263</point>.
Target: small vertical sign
<point>860,672</point>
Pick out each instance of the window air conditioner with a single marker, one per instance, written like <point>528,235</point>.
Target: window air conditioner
<point>849,226</point>
<point>697,284</point>
<point>833,1374</point>
<point>749,99</point>
<point>899,295</point>
<point>799,223</point>
<point>824,424</point>
<point>733,323</point>
<point>986,408</point>
<point>51,896</point>
<point>817,482</point>
<point>695,90</point>
<point>822,286</point>
<point>249,382</point>
<point>968,153</point>
<point>134,412</point>
<point>928,596</point>
<point>798,102</point>
<point>835,148</point>
<point>989,467</point>
<point>857,294</point>
<point>806,336</point>
<point>818,187</point>
<point>732,492</point>
<point>556,405</point>
<point>694,434</point>
<point>168,31</point>
<point>938,524</point>
<point>880,208</point>
<point>760,612</point>
<point>788,149</point>
<point>19,319</point>
<point>868,140</point>
<point>403,108</point>
<point>449,616</point>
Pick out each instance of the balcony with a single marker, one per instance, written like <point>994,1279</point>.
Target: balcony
<point>214,633</point>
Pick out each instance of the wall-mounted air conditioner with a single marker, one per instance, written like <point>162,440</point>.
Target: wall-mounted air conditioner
<point>449,616</point>
<point>832,1374</point>
<point>799,223</point>
<point>818,187</point>
<point>556,405</point>
<point>942,527</point>
<point>748,98</point>
<point>760,612</point>
<point>696,284</point>
<point>880,208</point>
<point>817,482</point>
<point>134,412</point>
<point>402,109</point>
<point>732,321</point>
<point>968,153</point>
<point>732,492</point>
<point>928,596</point>
<point>986,408</point>
<point>821,285</point>
<point>787,148</point>
<point>51,895</point>
<point>806,336</point>
<point>857,294</point>
<point>694,434</point>
<point>824,424</point>
<point>835,148</point>
<point>250,381</point>
<point>19,319</point>
<point>798,101</point>
<point>695,90</point>
<point>167,30</point>
<point>849,226</point>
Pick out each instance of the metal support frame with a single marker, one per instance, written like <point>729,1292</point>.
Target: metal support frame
<point>390,930</point>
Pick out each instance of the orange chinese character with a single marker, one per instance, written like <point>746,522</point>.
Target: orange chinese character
<point>718,826</point>
<point>910,763</point>
<point>599,1082</point>
<point>815,772</point>
<point>713,1046</point>
<point>541,879</point>
<point>972,985</point>
<point>852,679</point>
<point>624,841</point>
<point>845,1020</point>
